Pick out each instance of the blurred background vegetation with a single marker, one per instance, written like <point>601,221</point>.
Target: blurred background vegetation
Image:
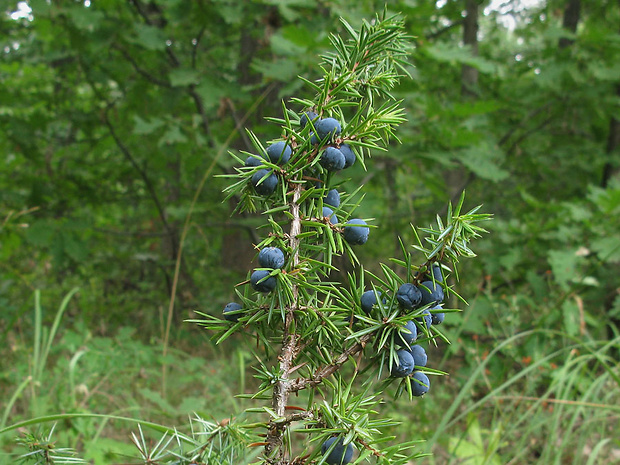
<point>115,115</point>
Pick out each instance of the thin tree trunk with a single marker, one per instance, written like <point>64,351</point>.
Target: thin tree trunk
<point>469,74</point>
<point>613,142</point>
<point>393,202</point>
<point>613,145</point>
<point>570,21</point>
<point>456,179</point>
<point>609,171</point>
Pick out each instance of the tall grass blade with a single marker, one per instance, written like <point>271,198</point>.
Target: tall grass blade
<point>9,406</point>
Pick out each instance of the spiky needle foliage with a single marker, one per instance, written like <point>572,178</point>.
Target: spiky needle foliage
<point>43,451</point>
<point>313,326</point>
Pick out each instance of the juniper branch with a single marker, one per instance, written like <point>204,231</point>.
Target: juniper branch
<point>328,370</point>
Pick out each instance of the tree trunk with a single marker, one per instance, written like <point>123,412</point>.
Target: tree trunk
<point>469,74</point>
<point>570,21</point>
<point>613,145</point>
<point>456,178</point>
<point>393,203</point>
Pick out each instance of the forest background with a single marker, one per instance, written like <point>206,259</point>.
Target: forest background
<point>116,115</point>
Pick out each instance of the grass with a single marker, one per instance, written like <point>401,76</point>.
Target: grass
<point>109,384</point>
<point>573,419</point>
<point>103,393</point>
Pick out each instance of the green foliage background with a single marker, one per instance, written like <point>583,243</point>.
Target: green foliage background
<point>114,113</point>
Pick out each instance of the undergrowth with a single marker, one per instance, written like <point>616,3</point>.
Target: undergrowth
<point>555,406</point>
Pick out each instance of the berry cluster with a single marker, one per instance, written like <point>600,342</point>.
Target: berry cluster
<point>425,297</point>
<point>335,155</point>
<point>269,259</point>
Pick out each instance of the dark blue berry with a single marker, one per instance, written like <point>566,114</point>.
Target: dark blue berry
<point>332,198</point>
<point>409,296</point>
<point>231,312</point>
<point>408,334</point>
<point>437,273</point>
<point>368,299</point>
<point>271,257</point>
<point>432,293</point>
<point>332,159</point>
<point>419,355</point>
<point>437,318</point>
<point>279,153</point>
<point>328,128</point>
<point>349,155</point>
<point>426,319</point>
<point>405,364</point>
<point>260,284</point>
<point>329,213</point>
<point>339,454</point>
<point>253,161</point>
<point>420,384</point>
<point>266,186</point>
<point>356,232</point>
<point>307,116</point>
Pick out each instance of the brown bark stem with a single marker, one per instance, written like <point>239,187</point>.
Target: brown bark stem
<point>290,343</point>
<point>304,383</point>
<point>295,230</point>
